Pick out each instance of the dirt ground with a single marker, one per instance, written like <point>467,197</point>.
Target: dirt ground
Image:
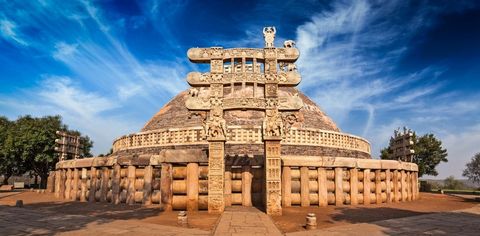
<point>48,202</point>
<point>293,218</point>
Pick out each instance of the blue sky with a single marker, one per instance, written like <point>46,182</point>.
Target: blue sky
<point>373,66</point>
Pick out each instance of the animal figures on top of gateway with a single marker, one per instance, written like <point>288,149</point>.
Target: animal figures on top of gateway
<point>269,35</point>
<point>273,124</point>
<point>216,126</point>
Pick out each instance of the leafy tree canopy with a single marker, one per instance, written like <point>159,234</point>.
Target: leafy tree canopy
<point>472,170</point>
<point>29,145</point>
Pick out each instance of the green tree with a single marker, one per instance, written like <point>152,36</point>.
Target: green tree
<point>451,183</point>
<point>472,172</point>
<point>10,163</point>
<point>33,139</point>
<point>428,154</point>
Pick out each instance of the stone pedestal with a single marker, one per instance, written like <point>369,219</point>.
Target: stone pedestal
<point>273,175</point>
<point>216,170</point>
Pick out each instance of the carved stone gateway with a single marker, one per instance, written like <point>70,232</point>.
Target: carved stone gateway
<point>242,66</point>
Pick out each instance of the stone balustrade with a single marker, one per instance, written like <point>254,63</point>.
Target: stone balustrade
<point>163,179</point>
<point>241,135</point>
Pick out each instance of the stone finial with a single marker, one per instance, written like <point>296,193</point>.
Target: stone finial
<point>269,35</point>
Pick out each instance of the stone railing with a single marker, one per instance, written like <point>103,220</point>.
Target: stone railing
<point>241,135</point>
<point>163,179</point>
<point>335,180</point>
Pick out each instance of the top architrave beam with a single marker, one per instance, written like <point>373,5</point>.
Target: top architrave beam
<point>205,55</point>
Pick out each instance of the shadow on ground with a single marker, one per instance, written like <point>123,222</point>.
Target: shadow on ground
<point>43,214</point>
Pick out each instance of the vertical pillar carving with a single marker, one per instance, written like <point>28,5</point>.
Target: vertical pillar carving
<point>228,186</point>
<point>273,176</point>
<point>216,170</point>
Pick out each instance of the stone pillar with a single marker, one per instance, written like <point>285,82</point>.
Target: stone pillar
<point>116,178</point>
<point>339,186</point>
<point>353,186</point>
<point>58,180</point>
<point>68,184</point>
<point>395,186</point>
<point>63,177</point>
<point>304,187</point>
<point>403,186</point>
<point>378,186</point>
<point>104,184</point>
<point>75,184</point>
<point>273,173</point>
<point>51,182</point>
<point>216,170</point>
<point>192,186</point>
<point>228,186</point>
<point>147,185</point>
<point>166,181</point>
<point>388,184</point>
<point>287,186</point>
<point>247,186</point>
<point>93,184</point>
<point>366,186</point>
<point>322,187</point>
<point>83,185</point>
<point>131,185</point>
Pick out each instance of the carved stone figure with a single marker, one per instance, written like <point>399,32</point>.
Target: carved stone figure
<point>289,119</point>
<point>273,124</point>
<point>269,35</point>
<point>193,92</point>
<point>216,126</point>
<point>289,44</point>
<point>291,67</point>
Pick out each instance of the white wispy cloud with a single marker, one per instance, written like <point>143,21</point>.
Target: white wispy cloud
<point>81,109</point>
<point>106,84</point>
<point>349,60</point>
<point>9,32</point>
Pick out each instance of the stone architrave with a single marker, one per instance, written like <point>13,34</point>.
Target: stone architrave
<point>216,170</point>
